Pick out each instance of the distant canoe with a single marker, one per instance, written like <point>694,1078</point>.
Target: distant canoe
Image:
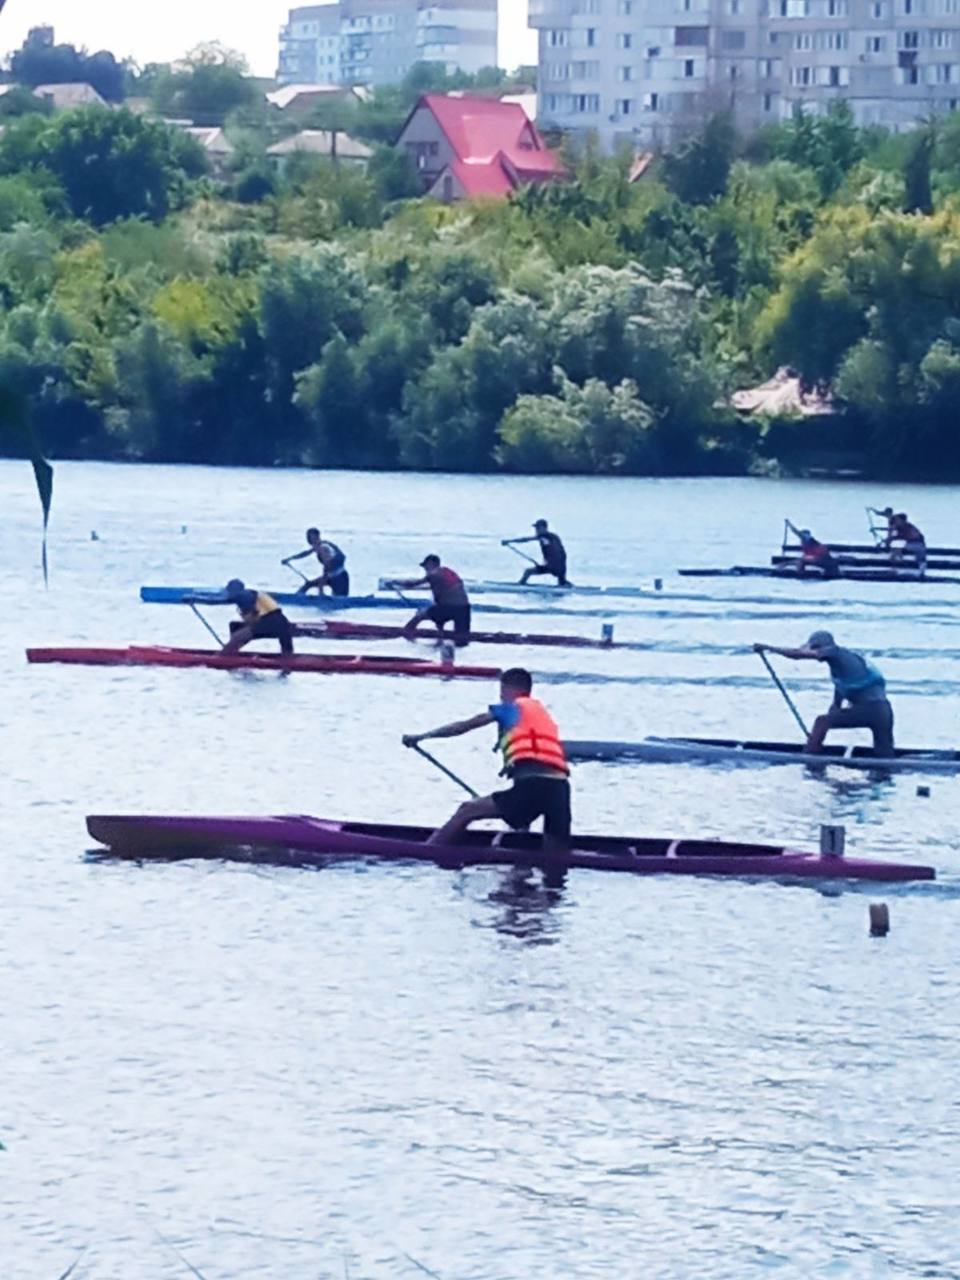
<point>908,574</point>
<point>735,752</point>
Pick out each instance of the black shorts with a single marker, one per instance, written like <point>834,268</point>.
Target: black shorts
<point>458,614</point>
<point>274,626</point>
<point>537,797</point>
<point>339,584</point>
<point>875,716</point>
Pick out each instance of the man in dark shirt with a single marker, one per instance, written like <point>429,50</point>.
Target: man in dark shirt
<point>856,683</point>
<point>553,551</point>
<point>450,600</point>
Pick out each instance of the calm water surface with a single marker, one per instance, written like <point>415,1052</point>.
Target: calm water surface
<point>376,1072</point>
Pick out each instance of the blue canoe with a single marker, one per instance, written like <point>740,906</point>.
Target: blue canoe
<point>212,595</point>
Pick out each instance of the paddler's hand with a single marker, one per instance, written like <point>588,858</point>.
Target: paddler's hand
<point>760,648</point>
<point>411,739</point>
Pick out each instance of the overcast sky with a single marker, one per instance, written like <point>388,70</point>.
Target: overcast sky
<point>162,32</point>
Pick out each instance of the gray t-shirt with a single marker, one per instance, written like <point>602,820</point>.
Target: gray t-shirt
<point>854,679</point>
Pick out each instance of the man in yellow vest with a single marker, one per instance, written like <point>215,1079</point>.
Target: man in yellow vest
<point>533,759</point>
<point>263,618</point>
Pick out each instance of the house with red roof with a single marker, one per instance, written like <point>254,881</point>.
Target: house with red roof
<point>468,146</point>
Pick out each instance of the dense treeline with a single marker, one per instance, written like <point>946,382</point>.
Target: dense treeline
<point>148,312</point>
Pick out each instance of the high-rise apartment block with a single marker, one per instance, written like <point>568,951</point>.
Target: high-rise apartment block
<point>376,42</point>
<point>648,72</point>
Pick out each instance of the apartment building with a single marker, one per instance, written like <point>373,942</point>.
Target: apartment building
<point>376,42</point>
<point>647,72</point>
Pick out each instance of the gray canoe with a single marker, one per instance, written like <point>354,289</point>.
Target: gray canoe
<point>731,751</point>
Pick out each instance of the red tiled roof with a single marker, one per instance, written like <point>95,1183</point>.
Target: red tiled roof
<point>482,130</point>
<point>482,179</point>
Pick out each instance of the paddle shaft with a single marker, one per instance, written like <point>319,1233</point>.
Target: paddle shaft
<point>298,572</point>
<point>205,623</point>
<point>786,697</point>
<point>521,553</point>
<point>449,772</point>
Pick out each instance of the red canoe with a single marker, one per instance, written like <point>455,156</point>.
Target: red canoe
<point>158,656</point>
<point>302,841</point>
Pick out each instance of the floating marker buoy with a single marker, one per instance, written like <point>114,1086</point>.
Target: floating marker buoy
<point>183,528</point>
<point>658,584</point>
<point>833,841</point>
<point>93,536</point>
<point>606,633</point>
<point>924,792</point>
<point>879,920</point>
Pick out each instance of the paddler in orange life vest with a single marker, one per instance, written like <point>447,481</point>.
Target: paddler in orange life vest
<point>262,618</point>
<point>534,761</point>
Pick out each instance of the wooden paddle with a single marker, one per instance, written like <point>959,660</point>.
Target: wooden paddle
<point>506,542</point>
<point>205,623</point>
<point>789,701</point>
<point>443,768</point>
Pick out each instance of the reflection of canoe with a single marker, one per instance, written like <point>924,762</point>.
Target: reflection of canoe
<point>907,574</point>
<point>301,840</point>
<point>333,664</point>
<point>334,630</point>
<point>731,751</point>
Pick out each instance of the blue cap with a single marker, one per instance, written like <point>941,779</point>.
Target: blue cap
<point>234,588</point>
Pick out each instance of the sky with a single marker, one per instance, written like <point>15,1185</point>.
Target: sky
<point>162,32</point>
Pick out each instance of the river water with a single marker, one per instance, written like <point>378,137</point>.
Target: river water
<point>400,1071</point>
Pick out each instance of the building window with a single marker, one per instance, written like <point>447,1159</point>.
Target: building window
<point>625,106</point>
<point>768,102</point>
<point>801,76</point>
<point>909,39</point>
<point>624,74</point>
<point>733,39</point>
<point>942,73</point>
<point>732,7</point>
<point>625,40</point>
<point>585,70</point>
<point>651,101</point>
<point>837,8</point>
<point>591,34</point>
<point>586,103</point>
<point>803,41</point>
<point>624,8</point>
<point>875,44</point>
<point>734,71</point>
<point>941,39</point>
<point>685,37</point>
<point>558,39</point>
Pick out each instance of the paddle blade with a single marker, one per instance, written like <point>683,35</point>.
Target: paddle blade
<point>14,423</point>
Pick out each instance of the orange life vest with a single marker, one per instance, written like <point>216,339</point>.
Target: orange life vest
<point>535,739</point>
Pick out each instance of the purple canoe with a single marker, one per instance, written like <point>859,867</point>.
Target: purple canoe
<point>303,840</point>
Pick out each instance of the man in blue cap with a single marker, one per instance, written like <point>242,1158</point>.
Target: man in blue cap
<point>263,619</point>
<point>860,693</point>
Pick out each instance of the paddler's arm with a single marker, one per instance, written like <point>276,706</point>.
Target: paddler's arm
<point>301,555</point>
<point>798,655</point>
<point>406,584</point>
<point>512,542</point>
<point>453,730</point>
